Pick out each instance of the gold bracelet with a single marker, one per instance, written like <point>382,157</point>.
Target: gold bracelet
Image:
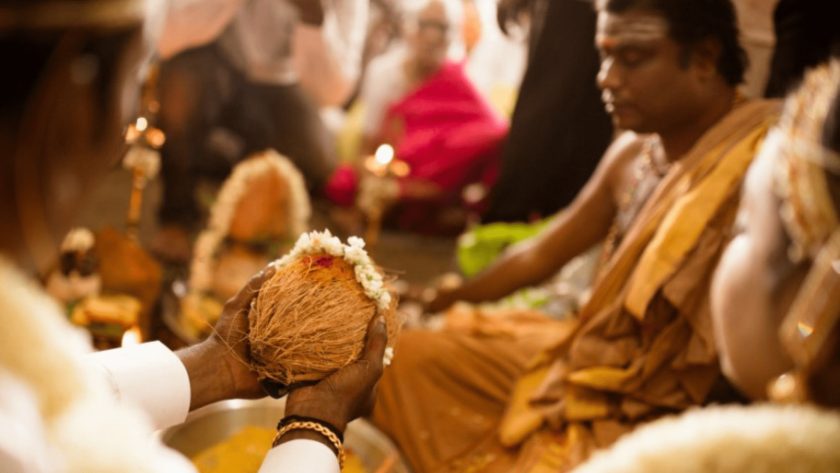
<point>314,426</point>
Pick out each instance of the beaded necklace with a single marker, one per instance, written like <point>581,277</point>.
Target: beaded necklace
<point>651,166</point>
<point>648,170</point>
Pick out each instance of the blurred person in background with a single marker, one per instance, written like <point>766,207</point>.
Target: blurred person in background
<point>559,128</point>
<point>420,102</point>
<point>241,76</point>
<point>75,77</point>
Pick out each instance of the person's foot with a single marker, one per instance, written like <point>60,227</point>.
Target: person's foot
<point>172,244</point>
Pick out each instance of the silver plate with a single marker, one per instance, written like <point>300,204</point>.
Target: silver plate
<point>212,424</point>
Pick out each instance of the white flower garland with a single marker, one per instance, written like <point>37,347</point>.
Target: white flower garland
<point>354,253</point>
<point>78,239</point>
<point>222,213</point>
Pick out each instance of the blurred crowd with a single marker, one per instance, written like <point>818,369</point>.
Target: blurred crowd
<point>646,192</point>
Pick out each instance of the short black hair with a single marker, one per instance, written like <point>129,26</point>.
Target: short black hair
<point>691,21</point>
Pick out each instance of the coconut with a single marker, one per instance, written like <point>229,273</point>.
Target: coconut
<point>311,317</point>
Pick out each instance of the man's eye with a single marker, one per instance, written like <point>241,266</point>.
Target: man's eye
<point>632,57</point>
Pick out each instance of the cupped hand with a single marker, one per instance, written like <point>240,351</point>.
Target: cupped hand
<point>231,333</point>
<point>218,367</point>
<point>349,392</point>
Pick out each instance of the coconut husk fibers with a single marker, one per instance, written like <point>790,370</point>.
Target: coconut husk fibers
<point>310,319</point>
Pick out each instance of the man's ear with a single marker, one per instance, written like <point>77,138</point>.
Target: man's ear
<point>705,55</point>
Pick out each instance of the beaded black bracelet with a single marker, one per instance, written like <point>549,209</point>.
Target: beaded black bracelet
<point>289,419</point>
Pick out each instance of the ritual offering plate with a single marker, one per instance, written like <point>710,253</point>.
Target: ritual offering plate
<point>107,283</point>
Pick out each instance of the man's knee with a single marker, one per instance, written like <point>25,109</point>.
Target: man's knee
<point>420,350</point>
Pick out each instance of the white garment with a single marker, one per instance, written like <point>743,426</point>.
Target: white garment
<point>328,60</point>
<point>22,444</point>
<point>497,61</point>
<point>385,83</point>
<point>137,374</point>
<point>266,41</point>
<point>58,416</point>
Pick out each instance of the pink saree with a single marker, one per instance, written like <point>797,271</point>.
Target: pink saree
<point>449,136</point>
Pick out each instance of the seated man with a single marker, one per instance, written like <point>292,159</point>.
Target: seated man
<point>791,202</point>
<point>664,199</point>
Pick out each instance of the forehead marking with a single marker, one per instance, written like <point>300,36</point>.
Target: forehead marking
<point>614,29</point>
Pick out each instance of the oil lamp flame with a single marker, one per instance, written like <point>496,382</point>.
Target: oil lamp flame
<point>141,124</point>
<point>384,154</point>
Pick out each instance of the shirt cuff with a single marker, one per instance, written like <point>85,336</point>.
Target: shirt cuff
<point>300,456</point>
<point>150,376</point>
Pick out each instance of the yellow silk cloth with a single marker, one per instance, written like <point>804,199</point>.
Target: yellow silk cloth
<point>641,347</point>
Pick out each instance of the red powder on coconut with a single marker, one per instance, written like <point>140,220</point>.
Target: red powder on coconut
<point>323,261</point>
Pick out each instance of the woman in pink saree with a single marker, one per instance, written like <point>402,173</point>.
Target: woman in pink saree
<point>424,105</point>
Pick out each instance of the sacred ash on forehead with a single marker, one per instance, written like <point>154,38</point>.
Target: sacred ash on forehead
<point>614,28</point>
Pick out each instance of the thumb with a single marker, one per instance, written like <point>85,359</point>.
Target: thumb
<point>377,339</point>
<point>244,296</point>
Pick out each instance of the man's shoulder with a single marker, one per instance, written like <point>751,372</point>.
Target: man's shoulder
<point>624,149</point>
<point>619,159</point>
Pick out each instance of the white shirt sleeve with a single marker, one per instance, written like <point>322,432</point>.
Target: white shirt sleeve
<point>300,456</point>
<point>328,58</point>
<point>153,378</point>
<point>150,376</point>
